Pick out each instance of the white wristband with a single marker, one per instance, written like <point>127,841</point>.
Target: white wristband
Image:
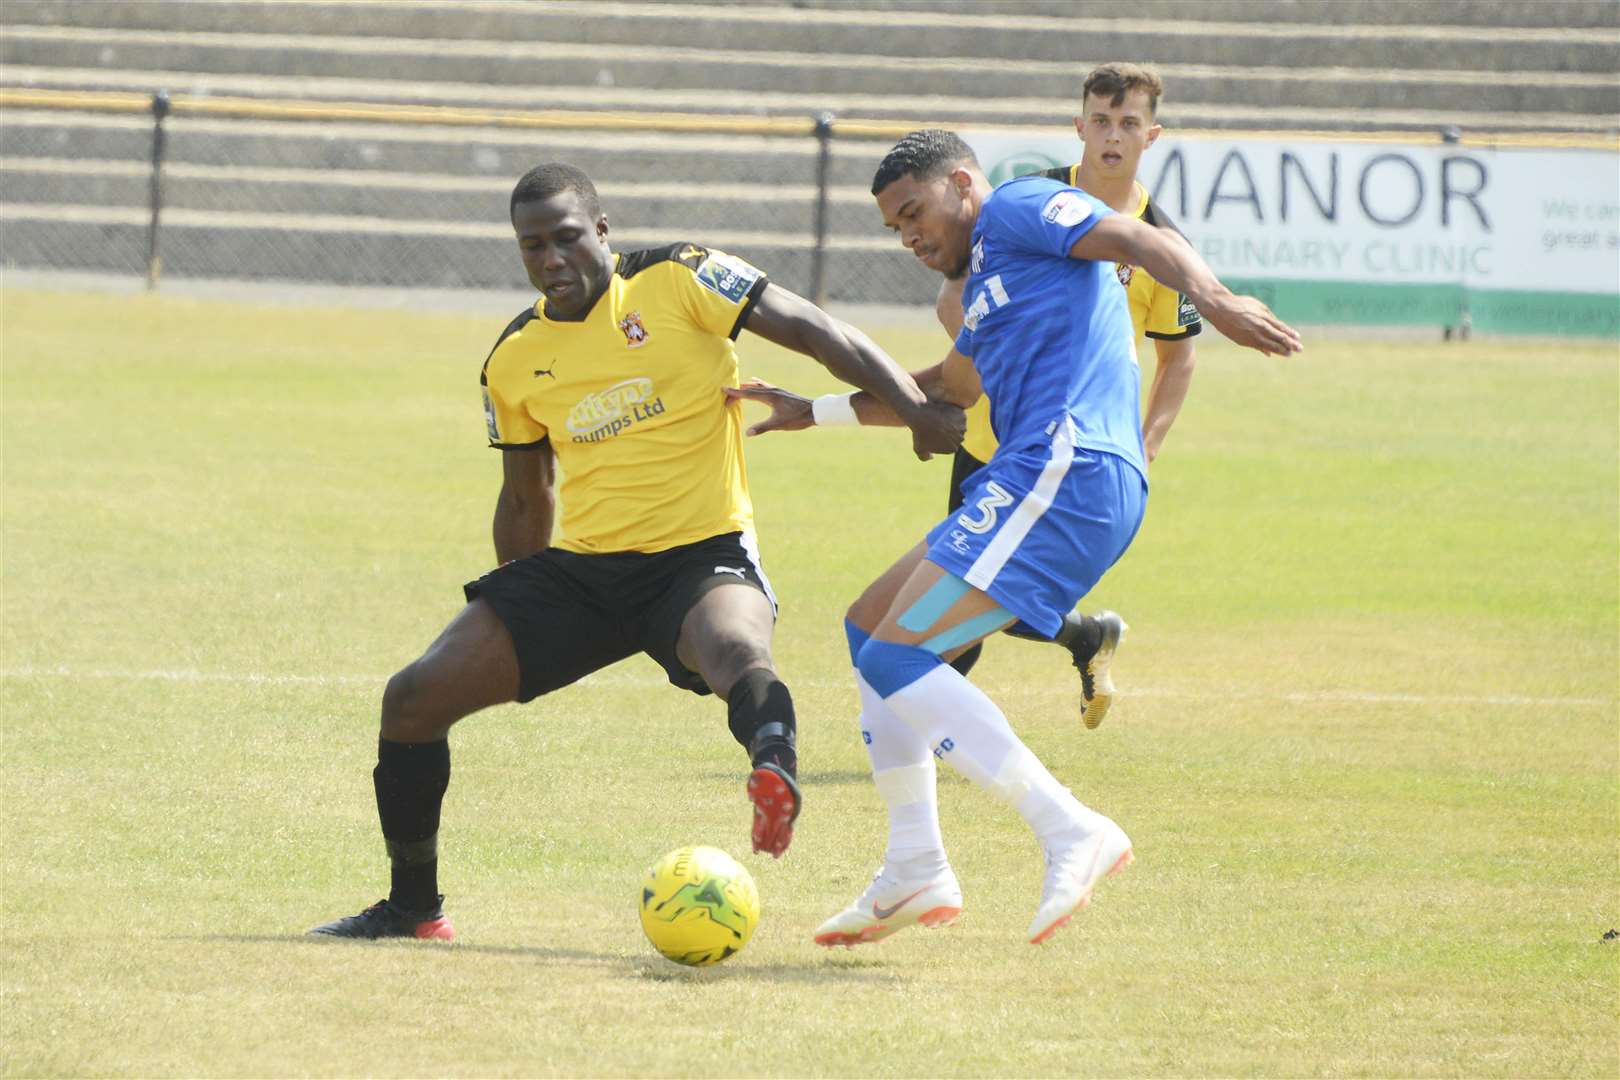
<point>834,410</point>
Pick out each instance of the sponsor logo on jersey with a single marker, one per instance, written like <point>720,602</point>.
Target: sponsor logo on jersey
<point>610,412</point>
<point>1124,271</point>
<point>489,417</point>
<point>1066,208</point>
<point>635,334</point>
<point>1186,314</point>
<point>728,276</point>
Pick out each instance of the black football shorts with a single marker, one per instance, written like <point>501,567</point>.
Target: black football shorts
<point>571,614</point>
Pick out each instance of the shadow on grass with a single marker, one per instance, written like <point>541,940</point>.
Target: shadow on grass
<point>833,968</point>
<point>813,777</point>
<point>824,971</point>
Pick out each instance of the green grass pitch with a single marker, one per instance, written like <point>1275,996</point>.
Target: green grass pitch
<point>1367,748</point>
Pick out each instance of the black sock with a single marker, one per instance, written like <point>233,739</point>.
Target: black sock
<point>410,779</point>
<point>759,710</point>
<point>1080,633</point>
<point>965,662</point>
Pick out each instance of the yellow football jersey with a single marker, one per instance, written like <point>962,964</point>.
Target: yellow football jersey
<point>1157,311</point>
<point>649,449</point>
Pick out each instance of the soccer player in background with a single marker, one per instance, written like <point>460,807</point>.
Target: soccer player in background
<point>615,376</point>
<point>1046,336</point>
<point>1119,105</point>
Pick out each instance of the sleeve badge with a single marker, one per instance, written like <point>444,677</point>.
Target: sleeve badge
<point>727,276</point>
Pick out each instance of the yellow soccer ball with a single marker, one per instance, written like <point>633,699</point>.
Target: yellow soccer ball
<point>699,906</point>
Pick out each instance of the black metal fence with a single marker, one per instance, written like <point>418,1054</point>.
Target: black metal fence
<point>199,187</point>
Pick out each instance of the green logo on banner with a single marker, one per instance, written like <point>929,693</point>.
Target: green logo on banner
<point>1021,164</point>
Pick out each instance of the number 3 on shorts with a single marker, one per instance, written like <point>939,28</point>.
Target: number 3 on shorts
<point>994,498</point>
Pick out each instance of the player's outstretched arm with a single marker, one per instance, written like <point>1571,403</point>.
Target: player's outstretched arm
<point>795,412</point>
<point>526,505</point>
<point>1173,261</point>
<point>794,323</point>
<point>951,386</point>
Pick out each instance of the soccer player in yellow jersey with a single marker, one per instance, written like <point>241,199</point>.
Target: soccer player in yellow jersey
<point>615,378</point>
<point>1119,104</point>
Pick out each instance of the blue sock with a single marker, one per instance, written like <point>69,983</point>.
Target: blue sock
<point>888,666</point>
<point>857,638</point>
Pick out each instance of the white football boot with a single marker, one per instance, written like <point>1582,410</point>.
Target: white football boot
<point>1073,869</point>
<point>891,904</point>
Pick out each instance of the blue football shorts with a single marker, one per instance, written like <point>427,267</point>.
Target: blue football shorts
<point>1040,525</point>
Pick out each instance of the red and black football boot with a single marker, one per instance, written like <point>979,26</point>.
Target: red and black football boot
<point>776,801</point>
<point>385,920</point>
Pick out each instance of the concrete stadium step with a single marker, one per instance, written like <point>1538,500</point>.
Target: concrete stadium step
<point>1547,13</point>
<point>665,69</point>
<point>736,206</point>
<point>454,151</point>
<point>990,37</point>
<point>910,111</point>
<point>399,254</point>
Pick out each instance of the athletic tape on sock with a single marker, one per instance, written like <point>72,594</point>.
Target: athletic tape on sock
<point>906,784</point>
<point>1017,776</point>
<point>413,852</point>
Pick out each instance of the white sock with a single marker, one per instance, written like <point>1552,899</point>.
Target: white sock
<point>949,712</point>
<point>903,770</point>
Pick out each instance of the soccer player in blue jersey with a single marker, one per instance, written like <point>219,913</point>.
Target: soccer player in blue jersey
<point>1047,336</point>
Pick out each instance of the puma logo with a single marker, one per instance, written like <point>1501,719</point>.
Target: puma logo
<point>546,371</point>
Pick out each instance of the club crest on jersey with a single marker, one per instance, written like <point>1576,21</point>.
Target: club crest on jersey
<point>635,334</point>
<point>1124,272</point>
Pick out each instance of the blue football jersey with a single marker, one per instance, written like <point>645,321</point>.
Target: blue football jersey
<point>1050,335</point>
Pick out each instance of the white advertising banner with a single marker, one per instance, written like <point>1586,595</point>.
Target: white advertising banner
<point>1510,239</point>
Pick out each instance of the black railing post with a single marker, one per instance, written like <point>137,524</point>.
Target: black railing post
<point>1462,326</point>
<point>154,261</point>
<point>818,256</point>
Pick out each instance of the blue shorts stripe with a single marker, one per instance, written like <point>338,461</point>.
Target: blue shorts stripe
<point>1073,512</point>
<point>1028,511</point>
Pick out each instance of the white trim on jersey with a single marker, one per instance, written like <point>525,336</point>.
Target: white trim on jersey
<point>750,546</point>
<point>1026,513</point>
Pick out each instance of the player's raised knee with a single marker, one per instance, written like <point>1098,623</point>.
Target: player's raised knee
<point>888,666</point>
<point>406,712</point>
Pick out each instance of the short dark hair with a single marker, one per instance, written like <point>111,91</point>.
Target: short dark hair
<point>1113,81</point>
<point>924,155</point>
<point>553,178</point>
